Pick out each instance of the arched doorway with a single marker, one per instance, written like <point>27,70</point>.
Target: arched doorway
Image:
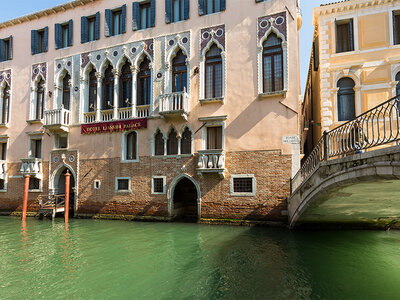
<point>185,201</point>
<point>59,187</point>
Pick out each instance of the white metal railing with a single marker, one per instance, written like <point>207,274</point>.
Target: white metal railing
<point>31,166</point>
<point>106,115</point>
<point>89,117</point>
<point>125,113</point>
<point>59,116</point>
<point>211,160</point>
<point>174,102</point>
<point>3,169</point>
<point>142,111</point>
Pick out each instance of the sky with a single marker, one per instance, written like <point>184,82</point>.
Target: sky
<point>22,7</point>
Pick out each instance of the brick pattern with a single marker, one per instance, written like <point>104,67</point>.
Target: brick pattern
<point>270,168</point>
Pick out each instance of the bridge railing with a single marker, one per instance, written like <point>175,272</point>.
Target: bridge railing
<point>376,127</point>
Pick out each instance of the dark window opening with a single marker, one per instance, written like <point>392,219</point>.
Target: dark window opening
<point>272,64</point>
<point>243,185</point>
<point>214,138</point>
<point>92,90</point>
<point>179,73</point>
<point>186,142</point>
<point>131,142</point>
<point>123,184</point>
<point>2,184</point>
<point>66,95</point>
<point>36,148</point>
<point>108,89</point>
<point>158,143</point>
<point>125,86</point>
<point>39,100</point>
<point>346,99</point>
<point>3,151</point>
<point>144,83</point>
<point>34,183</point>
<point>344,36</point>
<point>158,185</point>
<point>5,105</point>
<point>172,143</point>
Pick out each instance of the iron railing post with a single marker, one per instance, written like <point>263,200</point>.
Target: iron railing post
<point>326,146</point>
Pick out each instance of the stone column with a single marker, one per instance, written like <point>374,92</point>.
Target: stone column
<point>99,77</point>
<point>116,94</point>
<point>134,71</point>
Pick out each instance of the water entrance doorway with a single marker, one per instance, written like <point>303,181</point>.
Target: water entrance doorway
<point>185,201</point>
<point>59,188</point>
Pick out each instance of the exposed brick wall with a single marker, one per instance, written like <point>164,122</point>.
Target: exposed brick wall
<point>270,168</point>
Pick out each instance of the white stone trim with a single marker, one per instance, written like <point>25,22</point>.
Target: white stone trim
<point>129,190</point>
<point>164,178</point>
<point>213,123</point>
<point>123,147</point>
<point>33,98</point>
<point>2,87</point>
<point>240,194</point>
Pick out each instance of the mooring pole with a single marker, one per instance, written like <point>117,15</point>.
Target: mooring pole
<point>25,203</point>
<point>67,183</point>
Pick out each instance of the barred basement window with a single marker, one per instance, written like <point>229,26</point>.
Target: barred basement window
<point>243,185</point>
<point>34,184</point>
<point>123,184</point>
<point>158,185</point>
<point>2,184</point>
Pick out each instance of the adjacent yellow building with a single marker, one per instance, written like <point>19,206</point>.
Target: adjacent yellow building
<point>354,66</point>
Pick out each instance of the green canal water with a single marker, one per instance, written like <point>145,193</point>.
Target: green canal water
<point>128,260</point>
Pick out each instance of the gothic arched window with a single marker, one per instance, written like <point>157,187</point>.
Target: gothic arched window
<point>172,143</point>
<point>66,94</point>
<point>144,83</point>
<point>108,89</point>
<point>213,74</point>
<point>158,143</point>
<point>179,73</point>
<point>125,86</point>
<point>92,90</point>
<point>5,105</point>
<point>39,100</point>
<point>131,149</point>
<point>186,142</point>
<point>272,64</point>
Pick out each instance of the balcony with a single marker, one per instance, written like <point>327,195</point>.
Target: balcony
<point>174,105</point>
<point>3,169</point>
<point>211,161</point>
<point>57,120</point>
<point>32,167</point>
<point>124,113</point>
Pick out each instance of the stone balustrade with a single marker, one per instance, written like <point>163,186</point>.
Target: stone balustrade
<point>58,119</point>
<point>32,166</point>
<point>211,161</point>
<point>174,104</point>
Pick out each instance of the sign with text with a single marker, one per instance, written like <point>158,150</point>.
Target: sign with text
<point>290,139</point>
<point>114,126</point>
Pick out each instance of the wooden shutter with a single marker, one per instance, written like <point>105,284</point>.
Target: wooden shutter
<point>70,32</point>
<point>108,23</point>
<point>34,41</point>
<point>97,27</point>
<point>202,7</point>
<point>58,35</point>
<point>10,47</point>
<point>168,11</point>
<point>84,30</point>
<point>2,54</point>
<point>152,13</point>
<point>46,38</point>
<point>135,15</point>
<point>186,9</point>
<point>223,5</point>
<point>123,21</point>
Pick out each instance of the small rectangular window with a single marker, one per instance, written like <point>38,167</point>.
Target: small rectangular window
<point>243,185</point>
<point>144,16</point>
<point>178,10</point>
<point>36,148</point>
<point>64,35</point>
<point>61,141</point>
<point>158,185</point>
<point>344,36</point>
<point>34,183</point>
<point>396,27</point>
<point>2,184</point>
<point>97,184</point>
<point>3,151</point>
<point>214,138</point>
<point>91,28</point>
<point>6,49</point>
<point>123,184</point>
<point>117,22</point>
<point>41,41</point>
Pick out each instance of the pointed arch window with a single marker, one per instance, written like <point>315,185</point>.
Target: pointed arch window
<point>5,106</point>
<point>66,95</point>
<point>172,143</point>
<point>213,74</point>
<point>179,72</point>
<point>158,143</point>
<point>144,83</point>
<point>186,142</point>
<point>92,90</point>
<point>125,86</point>
<point>39,105</point>
<point>108,89</point>
<point>131,146</point>
<point>346,99</point>
<point>272,64</point>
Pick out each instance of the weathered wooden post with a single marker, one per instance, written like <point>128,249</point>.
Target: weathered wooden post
<point>66,203</point>
<point>25,203</point>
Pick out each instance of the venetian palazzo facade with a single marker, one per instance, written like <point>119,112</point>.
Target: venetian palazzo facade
<point>158,109</point>
<point>354,66</point>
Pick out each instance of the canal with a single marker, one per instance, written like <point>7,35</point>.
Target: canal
<point>133,260</point>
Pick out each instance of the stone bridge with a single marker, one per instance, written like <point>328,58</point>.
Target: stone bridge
<point>359,190</point>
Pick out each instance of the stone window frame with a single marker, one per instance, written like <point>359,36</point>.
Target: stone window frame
<point>35,135</point>
<point>212,122</point>
<point>56,140</point>
<point>129,190</point>
<point>241,194</point>
<point>165,138</point>
<point>3,86</point>
<point>169,67</point>
<point>355,34</point>
<point>123,147</point>
<point>164,178</point>
<point>33,99</point>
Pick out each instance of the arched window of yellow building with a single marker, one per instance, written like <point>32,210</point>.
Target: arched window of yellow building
<point>346,99</point>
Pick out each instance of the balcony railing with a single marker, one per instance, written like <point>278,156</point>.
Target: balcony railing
<point>211,161</point>
<point>142,111</point>
<point>174,104</point>
<point>32,167</point>
<point>106,115</point>
<point>89,117</point>
<point>57,119</point>
<point>3,169</point>
<point>124,113</point>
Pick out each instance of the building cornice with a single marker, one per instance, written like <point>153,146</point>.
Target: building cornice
<point>46,12</point>
<point>346,6</point>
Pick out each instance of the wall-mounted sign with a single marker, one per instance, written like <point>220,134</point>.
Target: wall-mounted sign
<point>290,139</point>
<point>114,126</point>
